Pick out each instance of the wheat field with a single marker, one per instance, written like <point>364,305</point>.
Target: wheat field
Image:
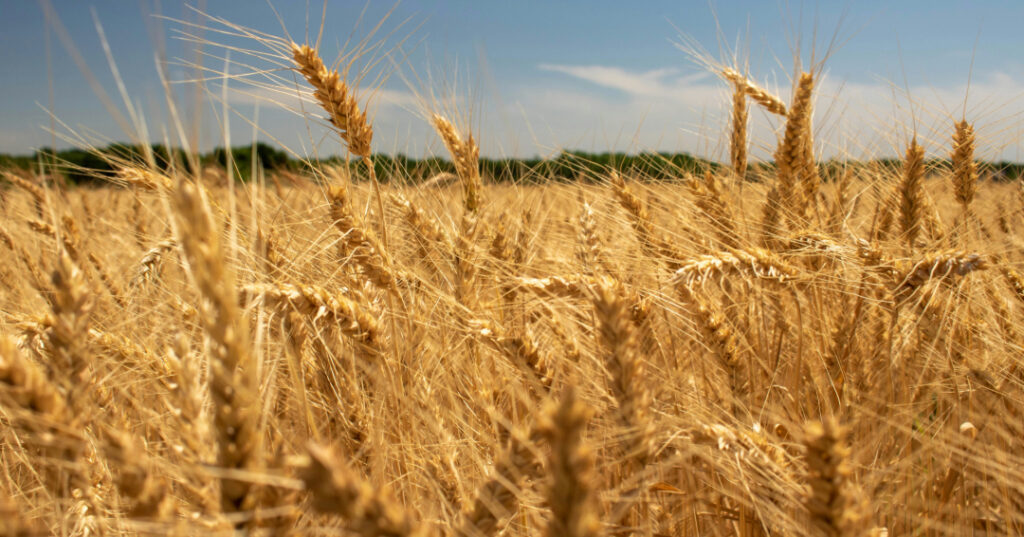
<point>748,351</point>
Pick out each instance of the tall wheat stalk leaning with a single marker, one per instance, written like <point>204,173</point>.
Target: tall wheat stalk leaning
<point>337,99</point>
<point>466,155</point>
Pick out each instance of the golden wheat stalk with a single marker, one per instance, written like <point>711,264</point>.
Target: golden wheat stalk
<point>149,266</point>
<point>651,242</point>
<point>316,303</point>
<point>573,286</point>
<point>333,95</point>
<point>496,498</point>
<point>522,351</point>
<point>571,497</point>
<point>146,492</point>
<point>712,201</point>
<point>834,509</point>
<point>940,265</point>
<point>755,263</point>
<point>466,155</point>
<point>794,156</point>
<point>770,102</point>
<point>360,242</point>
<point>722,340</point>
<point>37,193</point>
<point>965,169</point>
<point>66,336</point>
<point>26,385</point>
<point>145,179</point>
<point>590,250</point>
<point>628,373</point>
<point>738,139</point>
<point>232,380</point>
<point>369,512</point>
<point>912,192</point>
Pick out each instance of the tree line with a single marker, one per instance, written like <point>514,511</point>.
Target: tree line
<point>80,166</point>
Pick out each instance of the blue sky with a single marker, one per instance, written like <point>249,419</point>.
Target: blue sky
<point>537,76</point>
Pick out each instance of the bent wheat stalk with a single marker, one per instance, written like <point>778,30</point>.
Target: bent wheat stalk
<point>333,95</point>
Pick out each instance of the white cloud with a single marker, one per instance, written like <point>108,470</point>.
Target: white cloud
<point>660,110</point>
<point>654,83</point>
<point>571,107</point>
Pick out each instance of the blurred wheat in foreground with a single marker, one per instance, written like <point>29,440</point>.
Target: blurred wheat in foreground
<point>746,352</point>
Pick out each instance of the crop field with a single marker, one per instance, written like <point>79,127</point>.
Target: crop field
<point>790,349</point>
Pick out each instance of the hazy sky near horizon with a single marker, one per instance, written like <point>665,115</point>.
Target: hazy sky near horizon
<point>536,77</point>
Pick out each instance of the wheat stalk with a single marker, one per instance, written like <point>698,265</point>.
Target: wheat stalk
<point>770,102</point>
<point>232,381</point>
<point>832,504</point>
<point>571,465</point>
<point>316,304</point>
<point>651,242</point>
<point>465,154</point>
<point>623,360</point>
<point>912,192</point>
<point>753,263</point>
<point>496,498</point>
<point>965,169</point>
<point>334,96</point>
<point>336,490</point>
<point>738,139</point>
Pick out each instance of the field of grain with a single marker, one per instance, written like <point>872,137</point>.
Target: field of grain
<point>737,353</point>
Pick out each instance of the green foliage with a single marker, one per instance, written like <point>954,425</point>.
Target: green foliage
<point>243,159</point>
<point>82,167</point>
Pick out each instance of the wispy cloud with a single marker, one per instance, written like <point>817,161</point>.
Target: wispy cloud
<point>660,109</point>
<point>662,83</point>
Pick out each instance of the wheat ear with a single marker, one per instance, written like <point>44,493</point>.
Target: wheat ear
<point>317,303</point>
<point>24,383</point>
<point>466,155</point>
<point>832,504</point>
<point>232,371</point>
<point>136,481</point>
<point>496,498</point>
<point>794,157</point>
<point>337,490</point>
<point>712,201</point>
<point>333,95</point>
<point>936,266</point>
<point>770,102</point>
<point>623,360</point>
<point>738,141</point>
<point>571,465</point>
<point>912,192</point>
<point>149,265</point>
<point>754,263</point>
<point>359,241</point>
<point>650,242</point>
<point>68,331</point>
<point>965,169</point>
<point>34,190</point>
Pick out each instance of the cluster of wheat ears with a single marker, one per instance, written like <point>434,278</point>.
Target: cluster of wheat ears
<point>736,353</point>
